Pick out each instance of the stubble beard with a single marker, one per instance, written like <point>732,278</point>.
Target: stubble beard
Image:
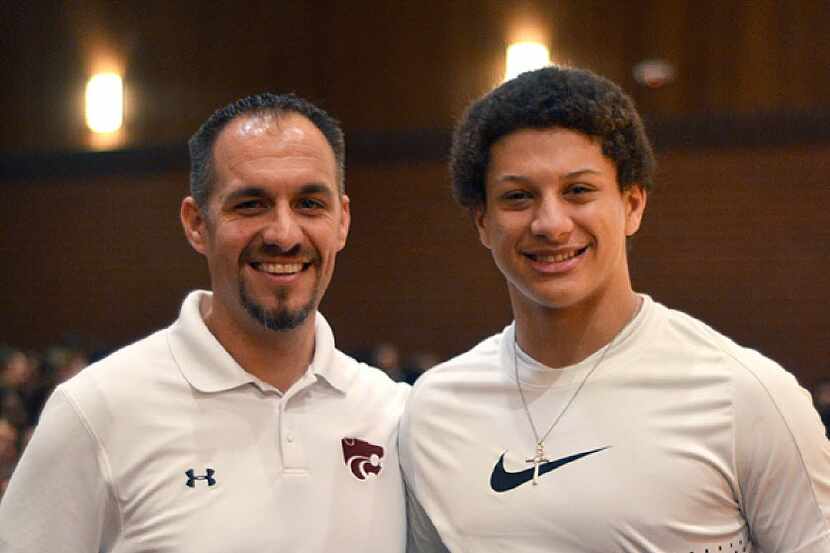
<point>280,319</point>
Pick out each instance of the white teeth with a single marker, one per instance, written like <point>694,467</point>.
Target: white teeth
<point>558,258</point>
<point>280,268</point>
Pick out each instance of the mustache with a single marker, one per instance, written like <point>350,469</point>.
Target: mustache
<point>258,250</point>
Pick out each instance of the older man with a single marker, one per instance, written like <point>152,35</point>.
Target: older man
<point>240,427</point>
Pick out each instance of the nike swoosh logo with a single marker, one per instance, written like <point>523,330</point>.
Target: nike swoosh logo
<point>503,481</point>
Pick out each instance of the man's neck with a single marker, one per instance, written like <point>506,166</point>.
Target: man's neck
<point>279,358</point>
<point>563,337</point>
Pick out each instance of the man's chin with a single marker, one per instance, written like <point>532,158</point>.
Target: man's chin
<point>280,319</point>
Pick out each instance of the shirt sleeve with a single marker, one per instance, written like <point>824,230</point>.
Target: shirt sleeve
<point>783,463</point>
<point>58,499</point>
<point>421,535</point>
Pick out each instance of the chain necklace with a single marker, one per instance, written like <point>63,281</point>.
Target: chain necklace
<point>539,457</point>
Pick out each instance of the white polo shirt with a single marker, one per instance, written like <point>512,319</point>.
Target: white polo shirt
<point>168,445</point>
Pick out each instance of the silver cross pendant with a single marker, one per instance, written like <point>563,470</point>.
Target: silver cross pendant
<point>537,459</point>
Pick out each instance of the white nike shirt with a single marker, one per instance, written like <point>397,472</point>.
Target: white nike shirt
<point>681,441</point>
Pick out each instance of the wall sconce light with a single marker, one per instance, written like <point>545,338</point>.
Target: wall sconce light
<point>525,56</point>
<point>104,103</point>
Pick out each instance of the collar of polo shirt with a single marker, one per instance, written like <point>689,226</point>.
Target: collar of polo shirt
<point>209,368</point>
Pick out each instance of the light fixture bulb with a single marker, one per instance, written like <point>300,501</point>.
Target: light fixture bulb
<point>525,56</point>
<point>104,103</point>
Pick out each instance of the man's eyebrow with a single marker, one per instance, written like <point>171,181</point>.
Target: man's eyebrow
<point>581,172</point>
<point>246,192</point>
<point>316,188</point>
<point>510,177</point>
<point>259,192</point>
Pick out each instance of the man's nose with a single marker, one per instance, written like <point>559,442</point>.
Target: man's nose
<point>552,219</point>
<point>282,229</point>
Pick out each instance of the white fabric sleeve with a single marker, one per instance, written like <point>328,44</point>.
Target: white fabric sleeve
<point>783,462</point>
<point>58,500</point>
<point>421,535</point>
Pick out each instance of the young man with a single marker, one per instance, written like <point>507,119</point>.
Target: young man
<point>600,420</point>
<point>240,427</point>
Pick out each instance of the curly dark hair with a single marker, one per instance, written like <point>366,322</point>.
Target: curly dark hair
<point>201,143</point>
<point>555,96</point>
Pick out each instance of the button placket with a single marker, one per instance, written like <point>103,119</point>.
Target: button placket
<point>292,408</point>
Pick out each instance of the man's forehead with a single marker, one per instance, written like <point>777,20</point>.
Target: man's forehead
<point>287,126</point>
<point>256,124</point>
<point>558,144</point>
<point>269,147</point>
<point>530,131</point>
<point>264,134</point>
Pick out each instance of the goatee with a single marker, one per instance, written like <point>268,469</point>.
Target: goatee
<point>279,319</point>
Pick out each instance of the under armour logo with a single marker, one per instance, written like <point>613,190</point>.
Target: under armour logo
<point>362,458</point>
<point>192,477</point>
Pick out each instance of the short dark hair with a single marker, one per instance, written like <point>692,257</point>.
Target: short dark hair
<point>201,143</point>
<point>555,96</point>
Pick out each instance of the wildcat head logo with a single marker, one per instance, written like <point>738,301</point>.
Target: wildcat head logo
<point>362,458</point>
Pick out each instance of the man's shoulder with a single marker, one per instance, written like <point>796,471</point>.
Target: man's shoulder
<point>478,365</point>
<point>484,356</point>
<point>367,380</point>
<point>124,371</point>
<point>149,350</point>
<point>748,369</point>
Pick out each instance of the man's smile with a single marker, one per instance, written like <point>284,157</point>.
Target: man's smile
<point>555,261</point>
<point>280,268</point>
<point>556,257</point>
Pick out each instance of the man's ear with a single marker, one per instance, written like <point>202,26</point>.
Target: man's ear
<point>194,224</point>
<point>479,216</point>
<point>345,222</point>
<point>635,198</point>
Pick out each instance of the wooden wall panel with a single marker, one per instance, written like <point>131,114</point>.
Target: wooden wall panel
<point>392,66</point>
<point>740,239</point>
<point>103,259</point>
<point>384,63</point>
<point>413,272</point>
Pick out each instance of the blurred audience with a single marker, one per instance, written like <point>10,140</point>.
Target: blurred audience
<point>26,380</point>
<point>24,386</point>
<point>418,363</point>
<point>9,440</point>
<point>821,396</point>
<point>387,356</point>
<point>66,362</point>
